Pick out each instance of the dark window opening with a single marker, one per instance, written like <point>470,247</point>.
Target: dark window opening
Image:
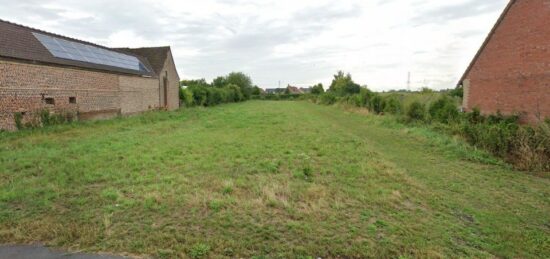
<point>49,100</point>
<point>72,99</point>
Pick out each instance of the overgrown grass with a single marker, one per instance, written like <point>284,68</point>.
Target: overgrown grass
<point>266,179</point>
<point>527,147</point>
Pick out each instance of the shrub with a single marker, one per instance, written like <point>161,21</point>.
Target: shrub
<point>44,118</point>
<point>475,116</point>
<point>328,98</point>
<point>392,106</point>
<point>416,111</point>
<point>363,98</point>
<point>241,80</point>
<point>234,93</point>
<point>495,138</point>
<point>376,104</point>
<point>457,92</point>
<point>317,89</point>
<point>499,118</point>
<point>444,110</point>
<point>186,97</point>
<point>214,96</point>
<point>200,95</point>
<point>343,84</point>
<point>531,148</point>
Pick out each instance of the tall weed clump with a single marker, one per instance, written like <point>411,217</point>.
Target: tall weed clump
<point>444,110</point>
<point>393,106</point>
<point>532,148</point>
<point>416,111</point>
<point>328,98</point>
<point>526,147</point>
<point>44,118</point>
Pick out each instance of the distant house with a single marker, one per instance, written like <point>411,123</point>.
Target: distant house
<point>45,71</point>
<point>511,71</point>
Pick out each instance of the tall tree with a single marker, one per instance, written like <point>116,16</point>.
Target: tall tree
<point>317,89</point>
<point>219,82</point>
<point>243,81</point>
<point>343,84</point>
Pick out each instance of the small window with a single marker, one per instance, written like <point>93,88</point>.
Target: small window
<point>72,99</point>
<point>49,100</point>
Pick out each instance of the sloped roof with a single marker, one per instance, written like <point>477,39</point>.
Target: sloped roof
<point>156,55</point>
<point>487,40</point>
<point>18,42</point>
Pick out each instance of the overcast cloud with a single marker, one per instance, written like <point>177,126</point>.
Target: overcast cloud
<point>296,42</point>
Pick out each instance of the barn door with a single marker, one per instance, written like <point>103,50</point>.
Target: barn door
<point>165,92</point>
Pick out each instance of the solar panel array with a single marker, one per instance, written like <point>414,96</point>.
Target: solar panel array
<point>61,48</point>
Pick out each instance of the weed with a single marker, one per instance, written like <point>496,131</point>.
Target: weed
<point>216,205</point>
<point>416,112</point>
<point>199,250</point>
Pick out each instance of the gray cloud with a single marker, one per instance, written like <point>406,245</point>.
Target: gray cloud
<point>450,12</point>
<point>295,42</point>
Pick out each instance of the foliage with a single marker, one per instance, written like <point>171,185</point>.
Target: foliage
<point>343,84</point>
<point>186,96</point>
<point>44,118</point>
<point>426,90</point>
<point>243,81</point>
<point>219,82</point>
<point>444,110</point>
<point>377,104</point>
<point>457,92</point>
<point>256,91</point>
<point>199,251</point>
<point>416,112</point>
<point>317,89</point>
<point>200,95</point>
<point>328,98</point>
<point>363,99</point>
<point>495,138</point>
<point>393,105</point>
<point>235,87</point>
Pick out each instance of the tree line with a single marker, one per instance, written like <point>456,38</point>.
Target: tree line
<point>234,87</point>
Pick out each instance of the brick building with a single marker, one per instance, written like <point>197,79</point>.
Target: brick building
<point>44,71</point>
<point>511,71</point>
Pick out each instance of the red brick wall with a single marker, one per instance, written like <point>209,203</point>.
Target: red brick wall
<point>23,88</point>
<point>512,74</point>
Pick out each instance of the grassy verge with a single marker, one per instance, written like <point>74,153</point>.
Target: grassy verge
<point>273,179</point>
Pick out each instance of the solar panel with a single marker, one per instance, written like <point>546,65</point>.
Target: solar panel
<point>61,48</point>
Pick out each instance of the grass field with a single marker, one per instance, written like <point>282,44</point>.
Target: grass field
<point>266,179</point>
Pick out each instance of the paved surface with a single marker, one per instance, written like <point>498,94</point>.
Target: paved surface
<point>41,252</point>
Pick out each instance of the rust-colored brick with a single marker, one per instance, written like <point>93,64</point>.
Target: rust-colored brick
<point>511,73</point>
<point>27,88</point>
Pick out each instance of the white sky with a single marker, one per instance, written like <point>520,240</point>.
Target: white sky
<point>296,42</point>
